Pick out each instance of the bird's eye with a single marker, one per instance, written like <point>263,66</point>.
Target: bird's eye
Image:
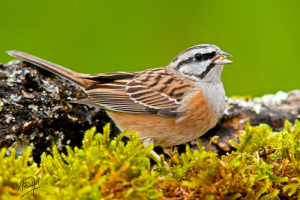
<point>198,57</point>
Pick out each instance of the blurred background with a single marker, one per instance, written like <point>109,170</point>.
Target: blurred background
<point>106,36</point>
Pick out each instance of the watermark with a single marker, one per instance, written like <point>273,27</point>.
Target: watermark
<point>28,185</point>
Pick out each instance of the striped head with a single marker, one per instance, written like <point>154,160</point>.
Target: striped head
<point>202,63</point>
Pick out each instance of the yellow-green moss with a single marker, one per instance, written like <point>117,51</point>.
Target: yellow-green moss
<point>266,165</point>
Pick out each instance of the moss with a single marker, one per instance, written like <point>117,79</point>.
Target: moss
<point>1,105</point>
<point>266,165</point>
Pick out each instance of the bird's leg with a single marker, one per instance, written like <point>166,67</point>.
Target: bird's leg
<point>169,150</point>
<point>149,141</point>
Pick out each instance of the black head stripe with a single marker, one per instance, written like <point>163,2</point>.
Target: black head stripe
<point>206,56</point>
<point>203,74</point>
<point>184,62</point>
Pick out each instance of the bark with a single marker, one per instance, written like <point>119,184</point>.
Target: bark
<point>34,111</point>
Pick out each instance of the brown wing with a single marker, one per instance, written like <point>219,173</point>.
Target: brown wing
<point>153,91</point>
<point>157,88</point>
<point>112,96</point>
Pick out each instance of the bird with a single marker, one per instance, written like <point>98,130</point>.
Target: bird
<point>166,106</point>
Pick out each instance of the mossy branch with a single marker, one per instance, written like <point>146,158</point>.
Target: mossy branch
<point>109,169</point>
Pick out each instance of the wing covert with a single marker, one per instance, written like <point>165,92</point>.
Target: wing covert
<point>153,91</point>
<point>157,88</point>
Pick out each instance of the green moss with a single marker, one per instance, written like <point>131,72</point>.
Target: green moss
<point>1,105</point>
<point>265,166</point>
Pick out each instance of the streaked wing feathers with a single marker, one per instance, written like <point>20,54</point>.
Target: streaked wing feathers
<point>112,96</point>
<point>157,88</point>
<point>154,91</point>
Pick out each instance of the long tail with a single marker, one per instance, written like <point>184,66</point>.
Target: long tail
<point>54,68</point>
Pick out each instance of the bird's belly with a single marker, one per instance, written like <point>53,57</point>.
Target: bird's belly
<point>197,119</point>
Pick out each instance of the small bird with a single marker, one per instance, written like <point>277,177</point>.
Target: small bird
<point>166,106</point>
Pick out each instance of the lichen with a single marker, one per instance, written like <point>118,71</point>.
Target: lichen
<point>257,103</point>
<point>265,165</point>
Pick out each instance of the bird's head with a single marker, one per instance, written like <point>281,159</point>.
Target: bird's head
<point>202,63</point>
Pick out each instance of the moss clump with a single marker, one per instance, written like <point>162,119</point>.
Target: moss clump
<point>266,165</point>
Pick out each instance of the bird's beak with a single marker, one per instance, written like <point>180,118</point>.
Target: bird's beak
<point>220,59</point>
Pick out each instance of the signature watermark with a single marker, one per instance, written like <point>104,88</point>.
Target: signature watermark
<point>28,185</point>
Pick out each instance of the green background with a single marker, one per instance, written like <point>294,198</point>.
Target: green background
<point>105,36</point>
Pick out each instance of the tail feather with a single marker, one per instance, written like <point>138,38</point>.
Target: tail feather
<point>54,68</point>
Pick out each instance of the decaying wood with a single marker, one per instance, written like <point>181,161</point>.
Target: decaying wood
<point>34,112</point>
